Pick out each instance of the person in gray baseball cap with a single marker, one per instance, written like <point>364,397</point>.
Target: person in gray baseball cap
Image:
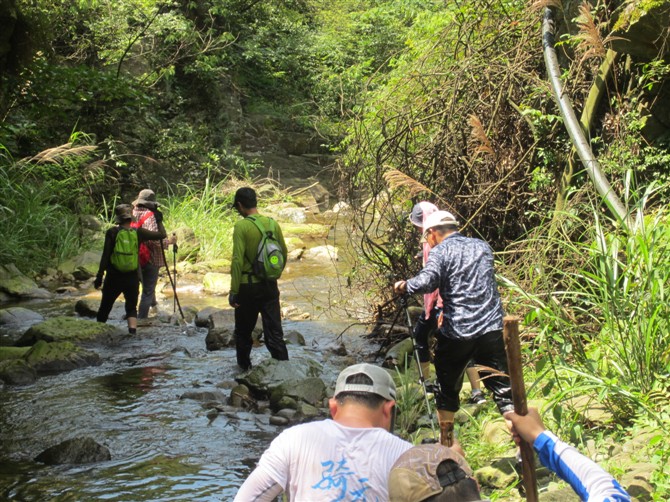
<point>347,457</point>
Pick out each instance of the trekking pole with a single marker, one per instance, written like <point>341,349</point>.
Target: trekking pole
<point>422,378</point>
<point>174,265</point>
<point>174,289</point>
<point>515,369</point>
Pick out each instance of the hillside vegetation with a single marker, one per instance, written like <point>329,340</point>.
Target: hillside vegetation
<point>403,100</point>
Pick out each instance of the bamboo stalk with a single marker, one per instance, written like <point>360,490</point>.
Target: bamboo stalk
<point>515,369</point>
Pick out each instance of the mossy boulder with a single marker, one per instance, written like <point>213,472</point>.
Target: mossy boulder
<point>57,357</point>
<point>8,353</point>
<point>15,283</point>
<point>309,390</point>
<point>83,266</point>
<point>70,329</point>
<point>270,374</point>
<point>75,451</point>
<point>305,230</point>
<point>216,283</point>
<point>17,372</point>
<point>19,316</point>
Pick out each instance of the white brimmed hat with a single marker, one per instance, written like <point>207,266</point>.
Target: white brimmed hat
<point>438,219</point>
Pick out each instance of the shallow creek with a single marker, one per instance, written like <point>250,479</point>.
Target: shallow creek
<point>163,447</point>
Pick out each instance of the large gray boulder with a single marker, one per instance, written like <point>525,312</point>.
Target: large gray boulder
<point>17,372</point>
<point>67,329</point>
<point>309,390</point>
<point>83,450</point>
<point>83,266</point>
<point>16,284</point>
<point>270,374</point>
<point>19,316</point>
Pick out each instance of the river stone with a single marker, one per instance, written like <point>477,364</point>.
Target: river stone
<point>305,230</point>
<point>216,283</point>
<point>87,307</point>
<point>77,451</point>
<point>400,355</point>
<point>321,253</point>
<point>206,396</point>
<point>295,255</point>
<point>288,413</point>
<point>271,373</point>
<point>277,420</point>
<point>294,244</point>
<point>7,353</point>
<point>60,329</point>
<point>188,245</point>
<point>19,316</point>
<point>224,318</point>
<point>338,349</point>
<point>202,318</point>
<point>219,338</point>
<point>83,266</point>
<point>57,357</point>
<point>309,390</point>
<point>239,395</point>
<point>307,410</point>
<point>15,283</point>
<point>287,403</point>
<point>294,337</point>
<point>17,372</point>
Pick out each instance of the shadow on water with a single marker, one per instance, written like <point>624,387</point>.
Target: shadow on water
<point>162,447</point>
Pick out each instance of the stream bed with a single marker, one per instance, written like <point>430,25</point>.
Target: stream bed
<point>162,447</point>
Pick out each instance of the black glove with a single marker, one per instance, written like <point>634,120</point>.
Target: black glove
<point>98,282</point>
<point>158,215</point>
<point>232,300</point>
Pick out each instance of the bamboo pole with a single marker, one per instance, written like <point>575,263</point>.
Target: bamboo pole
<point>515,369</point>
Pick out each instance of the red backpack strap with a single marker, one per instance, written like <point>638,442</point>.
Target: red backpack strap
<point>138,224</point>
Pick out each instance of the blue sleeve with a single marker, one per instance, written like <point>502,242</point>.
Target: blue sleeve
<point>590,481</point>
<point>428,279</point>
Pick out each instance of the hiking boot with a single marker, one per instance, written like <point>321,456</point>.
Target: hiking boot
<point>477,397</point>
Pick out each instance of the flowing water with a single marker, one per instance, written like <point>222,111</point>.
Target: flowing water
<point>163,447</point>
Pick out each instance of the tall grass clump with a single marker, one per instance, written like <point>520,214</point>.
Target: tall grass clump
<point>40,199</point>
<point>207,211</point>
<point>597,300</point>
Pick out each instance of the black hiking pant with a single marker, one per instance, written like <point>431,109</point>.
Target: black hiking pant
<point>116,283</point>
<point>258,298</point>
<point>452,357</point>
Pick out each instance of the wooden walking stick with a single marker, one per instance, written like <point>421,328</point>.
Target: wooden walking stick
<point>515,369</point>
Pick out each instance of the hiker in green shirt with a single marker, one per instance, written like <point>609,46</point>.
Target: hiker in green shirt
<point>251,291</point>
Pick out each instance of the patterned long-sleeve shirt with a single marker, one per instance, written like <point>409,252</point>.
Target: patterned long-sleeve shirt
<point>462,269</point>
<point>157,257</point>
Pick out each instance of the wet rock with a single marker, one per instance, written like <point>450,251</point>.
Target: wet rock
<point>8,353</point>
<point>16,284</point>
<point>208,396</point>
<point>288,413</point>
<point>305,230</point>
<point>288,403</point>
<point>60,329</point>
<point>269,374</point>
<point>239,395</point>
<point>76,451</point>
<point>62,290</point>
<point>58,357</point>
<point>202,317</point>
<point>83,266</point>
<point>321,253</point>
<point>294,337</point>
<point>338,349</point>
<point>400,355</point>
<point>19,316</point>
<point>188,245</point>
<point>17,372</point>
<point>224,318</point>
<point>295,255</point>
<point>294,244</point>
<point>219,338</point>
<point>87,307</point>
<point>309,390</point>
<point>307,410</point>
<point>216,283</point>
<point>277,420</point>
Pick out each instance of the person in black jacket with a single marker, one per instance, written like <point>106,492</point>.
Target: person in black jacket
<point>117,282</point>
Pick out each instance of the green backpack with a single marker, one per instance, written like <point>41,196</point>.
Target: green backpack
<point>126,254</point>
<point>269,262</point>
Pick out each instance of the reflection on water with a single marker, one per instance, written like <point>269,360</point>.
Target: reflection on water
<point>163,447</point>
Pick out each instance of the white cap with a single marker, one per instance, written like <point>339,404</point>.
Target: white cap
<point>438,219</point>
